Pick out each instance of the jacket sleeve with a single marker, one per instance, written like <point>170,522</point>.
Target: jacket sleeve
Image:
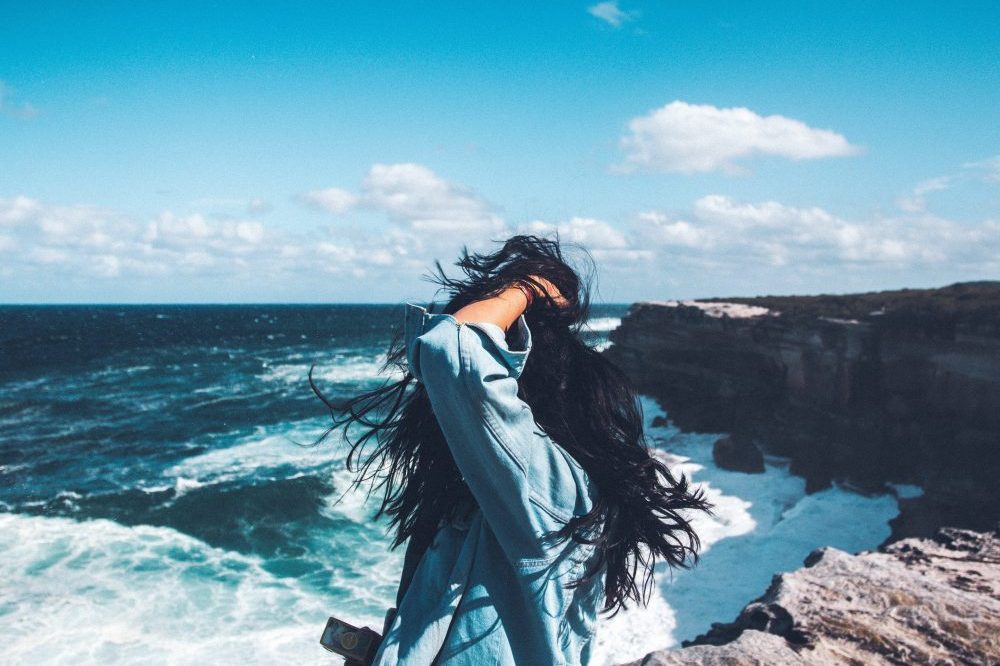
<point>470,375</point>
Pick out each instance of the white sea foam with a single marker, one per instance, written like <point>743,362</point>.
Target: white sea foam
<point>602,324</point>
<point>268,451</point>
<point>96,592</point>
<point>353,504</point>
<point>182,485</point>
<point>764,523</point>
<point>27,384</point>
<point>10,469</point>
<point>720,309</point>
<point>253,456</point>
<point>343,368</point>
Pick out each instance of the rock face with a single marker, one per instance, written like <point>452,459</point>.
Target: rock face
<point>870,388</point>
<point>738,454</point>
<point>916,601</point>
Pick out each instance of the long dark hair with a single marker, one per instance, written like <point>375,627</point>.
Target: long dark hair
<point>582,400</point>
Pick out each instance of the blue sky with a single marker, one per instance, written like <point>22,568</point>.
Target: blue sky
<point>330,151</point>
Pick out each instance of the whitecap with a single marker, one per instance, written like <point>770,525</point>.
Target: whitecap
<point>350,502</point>
<point>342,369</point>
<point>261,455</point>
<point>183,484</point>
<point>96,592</point>
<point>603,324</point>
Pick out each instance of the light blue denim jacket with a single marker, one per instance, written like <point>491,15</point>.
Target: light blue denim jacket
<point>490,589</point>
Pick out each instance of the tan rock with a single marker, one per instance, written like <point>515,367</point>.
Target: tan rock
<point>918,601</point>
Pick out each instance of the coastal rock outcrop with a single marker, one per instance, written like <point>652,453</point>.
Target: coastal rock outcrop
<point>894,386</point>
<point>915,601</point>
<point>738,454</point>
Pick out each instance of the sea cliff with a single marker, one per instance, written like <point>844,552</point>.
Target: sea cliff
<point>868,389</point>
<point>872,388</point>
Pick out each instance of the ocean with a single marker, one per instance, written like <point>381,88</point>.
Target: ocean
<point>155,507</point>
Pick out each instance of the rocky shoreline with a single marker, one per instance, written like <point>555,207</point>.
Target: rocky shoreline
<point>915,601</point>
<point>871,390</point>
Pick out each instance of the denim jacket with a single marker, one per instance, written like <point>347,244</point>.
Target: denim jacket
<point>490,589</point>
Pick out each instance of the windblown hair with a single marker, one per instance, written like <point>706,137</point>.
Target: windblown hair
<point>583,401</point>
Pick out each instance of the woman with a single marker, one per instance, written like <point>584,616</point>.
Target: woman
<point>516,471</point>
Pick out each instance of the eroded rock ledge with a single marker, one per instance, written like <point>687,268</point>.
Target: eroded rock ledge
<point>915,601</point>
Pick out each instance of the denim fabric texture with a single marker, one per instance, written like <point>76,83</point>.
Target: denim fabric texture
<point>490,589</point>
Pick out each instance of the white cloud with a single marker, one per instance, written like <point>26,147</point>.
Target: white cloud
<point>611,13</point>
<point>932,185</point>
<point>693,138</point>
<point>663,230</point>
<point>915,202</point>
<point>332,200</point>
<point>755,216</point>
<point>83,240</point>
<point>415,194</point>
<point>258,206</point>
<point>419,199</point>
<point>604,241</point>
<point>222,207</point>
<point>83,244</point>
<point>426,217</point>
<point>722,231</point>
<point>989,169</point>
<point>717,238</point>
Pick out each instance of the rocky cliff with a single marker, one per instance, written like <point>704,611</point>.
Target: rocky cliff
<point>916,601</point>
<point>895,386</point>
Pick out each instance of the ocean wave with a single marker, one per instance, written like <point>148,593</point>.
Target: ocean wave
<point>270,454</point>
<point>349,502</point>
<point>180,487</point>
<point>26,384</point>
<point>261,454</point>
<point>95,592</point>
<point>11,469</point>
<point>343,369</point>
<point>603,324</point>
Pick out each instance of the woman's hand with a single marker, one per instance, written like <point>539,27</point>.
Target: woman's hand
<point>547,288</point>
